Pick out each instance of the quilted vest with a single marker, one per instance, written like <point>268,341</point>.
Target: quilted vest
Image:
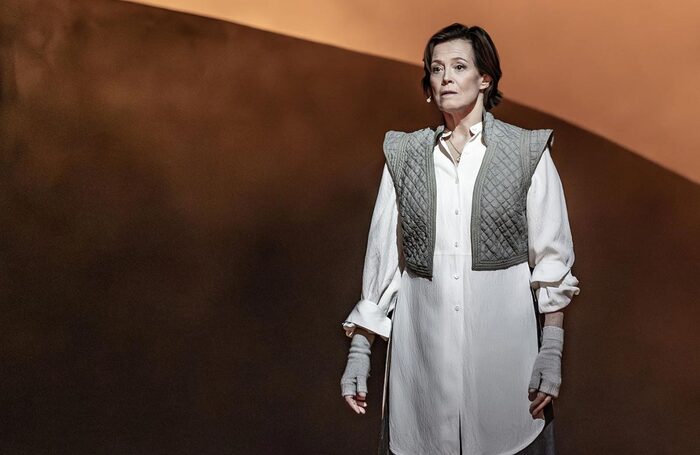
<point>498,219</point>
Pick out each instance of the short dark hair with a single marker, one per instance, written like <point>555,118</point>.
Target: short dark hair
<point>485,53</point>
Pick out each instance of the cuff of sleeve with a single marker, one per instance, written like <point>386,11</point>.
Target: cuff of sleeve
<point>368,315</point>
<point>555,298</point>
<point>548,272</point>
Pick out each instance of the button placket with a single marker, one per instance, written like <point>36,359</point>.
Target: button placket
<point>459,231</point>
<point>459,204</point>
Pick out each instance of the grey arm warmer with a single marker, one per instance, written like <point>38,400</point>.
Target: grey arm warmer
<point>546,372</point>
<point>354,378</point>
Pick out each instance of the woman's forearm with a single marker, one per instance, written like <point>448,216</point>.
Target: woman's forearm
<point>366,333</point>
<point>555,318</point>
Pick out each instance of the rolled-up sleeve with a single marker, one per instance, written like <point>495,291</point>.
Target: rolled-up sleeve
<point>551,248</point>
<point>381,276</point>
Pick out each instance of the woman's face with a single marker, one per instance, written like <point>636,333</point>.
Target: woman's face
<point>454,78</point>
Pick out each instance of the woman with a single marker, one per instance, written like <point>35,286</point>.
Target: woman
<point>469,243</point>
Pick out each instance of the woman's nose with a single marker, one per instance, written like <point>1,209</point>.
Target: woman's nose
<point>446,77</point>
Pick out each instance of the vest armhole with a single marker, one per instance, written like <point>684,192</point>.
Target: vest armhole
<point>539,141</point>
<point>525,158</point>
<point>393,153</point>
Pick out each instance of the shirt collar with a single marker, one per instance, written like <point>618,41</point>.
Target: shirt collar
<point>474,129</point>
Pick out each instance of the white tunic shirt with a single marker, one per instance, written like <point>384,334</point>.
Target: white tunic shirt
<point>463,345</point>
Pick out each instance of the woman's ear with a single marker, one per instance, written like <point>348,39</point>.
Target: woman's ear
<point>486,82</point>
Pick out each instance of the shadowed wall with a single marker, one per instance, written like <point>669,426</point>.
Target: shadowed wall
<point>625,70</point>
<point>184,205</point>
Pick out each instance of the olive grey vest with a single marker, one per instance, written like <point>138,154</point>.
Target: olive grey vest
<point>498,219</point>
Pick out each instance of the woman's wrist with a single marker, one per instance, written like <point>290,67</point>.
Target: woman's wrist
<point>364,332</point>
<point>555,318</point>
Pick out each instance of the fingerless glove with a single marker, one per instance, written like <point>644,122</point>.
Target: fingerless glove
<point>354,378</point>
<point>546,372</point>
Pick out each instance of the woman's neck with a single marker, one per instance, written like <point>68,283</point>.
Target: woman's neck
<point>460,122</point>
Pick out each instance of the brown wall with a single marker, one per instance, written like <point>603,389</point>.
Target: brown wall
<point>624,69</point>
<point>184,205</point>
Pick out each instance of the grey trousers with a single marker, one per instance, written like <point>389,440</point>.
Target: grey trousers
<point>542,445</point>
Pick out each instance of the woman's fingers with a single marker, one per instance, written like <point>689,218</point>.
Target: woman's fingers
<point>538,404</point>
<point>357,403</point>
<point>542,405</point>
<point>531,394</point>
<point>360,399</point>
<point>350,400</point>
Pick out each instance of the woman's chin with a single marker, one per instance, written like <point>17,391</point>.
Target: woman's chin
<point>450,107</point>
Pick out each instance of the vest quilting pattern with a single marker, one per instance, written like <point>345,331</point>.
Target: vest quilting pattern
<point>499,218</point>
<point>407,156</point>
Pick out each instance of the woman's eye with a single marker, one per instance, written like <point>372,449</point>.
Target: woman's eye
<point>436,69</point>
<point>461,66</point>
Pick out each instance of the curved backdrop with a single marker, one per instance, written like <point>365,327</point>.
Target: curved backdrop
<point>625,70</point>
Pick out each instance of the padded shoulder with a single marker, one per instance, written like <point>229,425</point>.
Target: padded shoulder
<point>495,130</point>
<point>398,145</point>
<point>507,130</point>
<point>392,139</point>
<point>539,140</point>
<point>393,148</point>
<point>533,142</point>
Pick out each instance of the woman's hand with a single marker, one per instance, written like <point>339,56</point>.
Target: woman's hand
<point>539,401</point>
<point>354,381</point>
<point>357,403</point>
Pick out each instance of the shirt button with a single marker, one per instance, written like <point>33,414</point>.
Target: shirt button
<point>456,244</point>
<point>457,308</point>
<point>455,276</point>
<point>456,211</point>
